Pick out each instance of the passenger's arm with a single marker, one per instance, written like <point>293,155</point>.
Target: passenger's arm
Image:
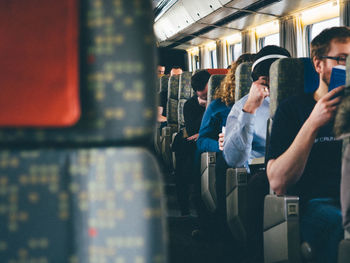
<point>240,125</point>
<point>287,169</point>
<point>238,137</point>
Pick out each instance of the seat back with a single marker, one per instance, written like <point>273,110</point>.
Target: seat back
<point>243,79</point>
<point>173,100</point>
<point>237,178</point>
<point>185,93</point>
<point>342,130</point>
<point>281,213</point>
<point>91,192</point>
<point>164,82</point>
<point>213,84</point>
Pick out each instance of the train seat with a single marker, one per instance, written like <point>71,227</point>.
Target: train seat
<point>90,192</point>
<point>163,87</point>
<point>281,213</point>
<point>243,80</point>
<point>172,119</point>
<point>208,159</point>
<point>237,178</point>
<point>342,131</point>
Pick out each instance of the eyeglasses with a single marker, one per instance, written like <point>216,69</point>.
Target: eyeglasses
<point>341,60</point>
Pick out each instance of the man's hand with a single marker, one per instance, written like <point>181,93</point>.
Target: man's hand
<point>325,109</point>
<point>258,92</point>
<point>202,102</point>
<point>221,141</point>
<point>193,137</point>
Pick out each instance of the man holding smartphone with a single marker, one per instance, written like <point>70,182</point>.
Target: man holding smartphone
<point>304,158</point>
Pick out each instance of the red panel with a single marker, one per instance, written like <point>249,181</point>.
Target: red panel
<point>39,63</point>
<point>218,71</point>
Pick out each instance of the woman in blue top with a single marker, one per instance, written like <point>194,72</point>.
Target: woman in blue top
<point>216,113</point>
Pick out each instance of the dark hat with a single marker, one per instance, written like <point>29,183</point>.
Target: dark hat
<point>264,58</point>
<point>199,80</point>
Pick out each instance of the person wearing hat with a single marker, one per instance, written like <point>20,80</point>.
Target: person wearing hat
<point>245,136</point>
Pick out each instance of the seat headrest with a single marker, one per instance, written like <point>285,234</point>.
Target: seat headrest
<point>243,79</point>
<point>286,80</point>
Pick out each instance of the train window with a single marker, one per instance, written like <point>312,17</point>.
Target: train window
<point>316,28</point>
<point>196,64</point>
<point>235,51</point>
<point>273,39</point>
<point>213,59</point>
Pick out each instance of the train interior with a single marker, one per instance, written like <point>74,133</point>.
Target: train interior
<point>89,169</point>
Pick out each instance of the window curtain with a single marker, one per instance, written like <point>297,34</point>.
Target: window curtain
<point>248,42</point>
<point>189,61</point>
<point>221,53</point>
<point>291,35</point>
<point>204,57</point>
<point>344,6</point>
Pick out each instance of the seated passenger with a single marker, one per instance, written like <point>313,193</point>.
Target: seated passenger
<point>161,70</point>
<point>213,120</point>
<point>163,97</point>
<point>304,158</point>
<point>184,144</point>
<point>216,113</point>
<point>195,106</point>
<point>245,136</point>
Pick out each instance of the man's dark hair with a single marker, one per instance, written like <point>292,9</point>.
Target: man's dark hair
<point>264,58</point>
<point>199,80</point>
<point>320,45</point>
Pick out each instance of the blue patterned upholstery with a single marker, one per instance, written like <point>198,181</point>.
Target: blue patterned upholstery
<point>243,79</point>
<point>185,92</point>
<point>214,83</point>
<point>64,195</point>
<point>115,82</point>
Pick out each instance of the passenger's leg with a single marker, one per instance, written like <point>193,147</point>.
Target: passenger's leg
<point>321,227</point>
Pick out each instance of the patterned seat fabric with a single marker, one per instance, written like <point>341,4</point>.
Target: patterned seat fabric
<point>281,231</point>
<point>93,205</point>
<point>113,77</point>
<point>243,79</point>
<point>185,92</point>
<point>214,83</point>
<point>173,100</point>
<point>64,195</point>
<point>286,80</point>
<point>164,81</point>
<point>342,119</point>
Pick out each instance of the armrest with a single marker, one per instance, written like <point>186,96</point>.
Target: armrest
<point>278,209</point>
<point>237,202</point>
<point>281,229</point>
<point>173,153</point>
<point>208,180</point>
<point>166,145</point>
<point>344,248</point>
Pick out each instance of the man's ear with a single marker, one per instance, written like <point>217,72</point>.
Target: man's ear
<point>317,64</point>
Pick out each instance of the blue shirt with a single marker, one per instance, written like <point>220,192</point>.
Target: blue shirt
<point>214,118</point>
<point>245,136</point>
